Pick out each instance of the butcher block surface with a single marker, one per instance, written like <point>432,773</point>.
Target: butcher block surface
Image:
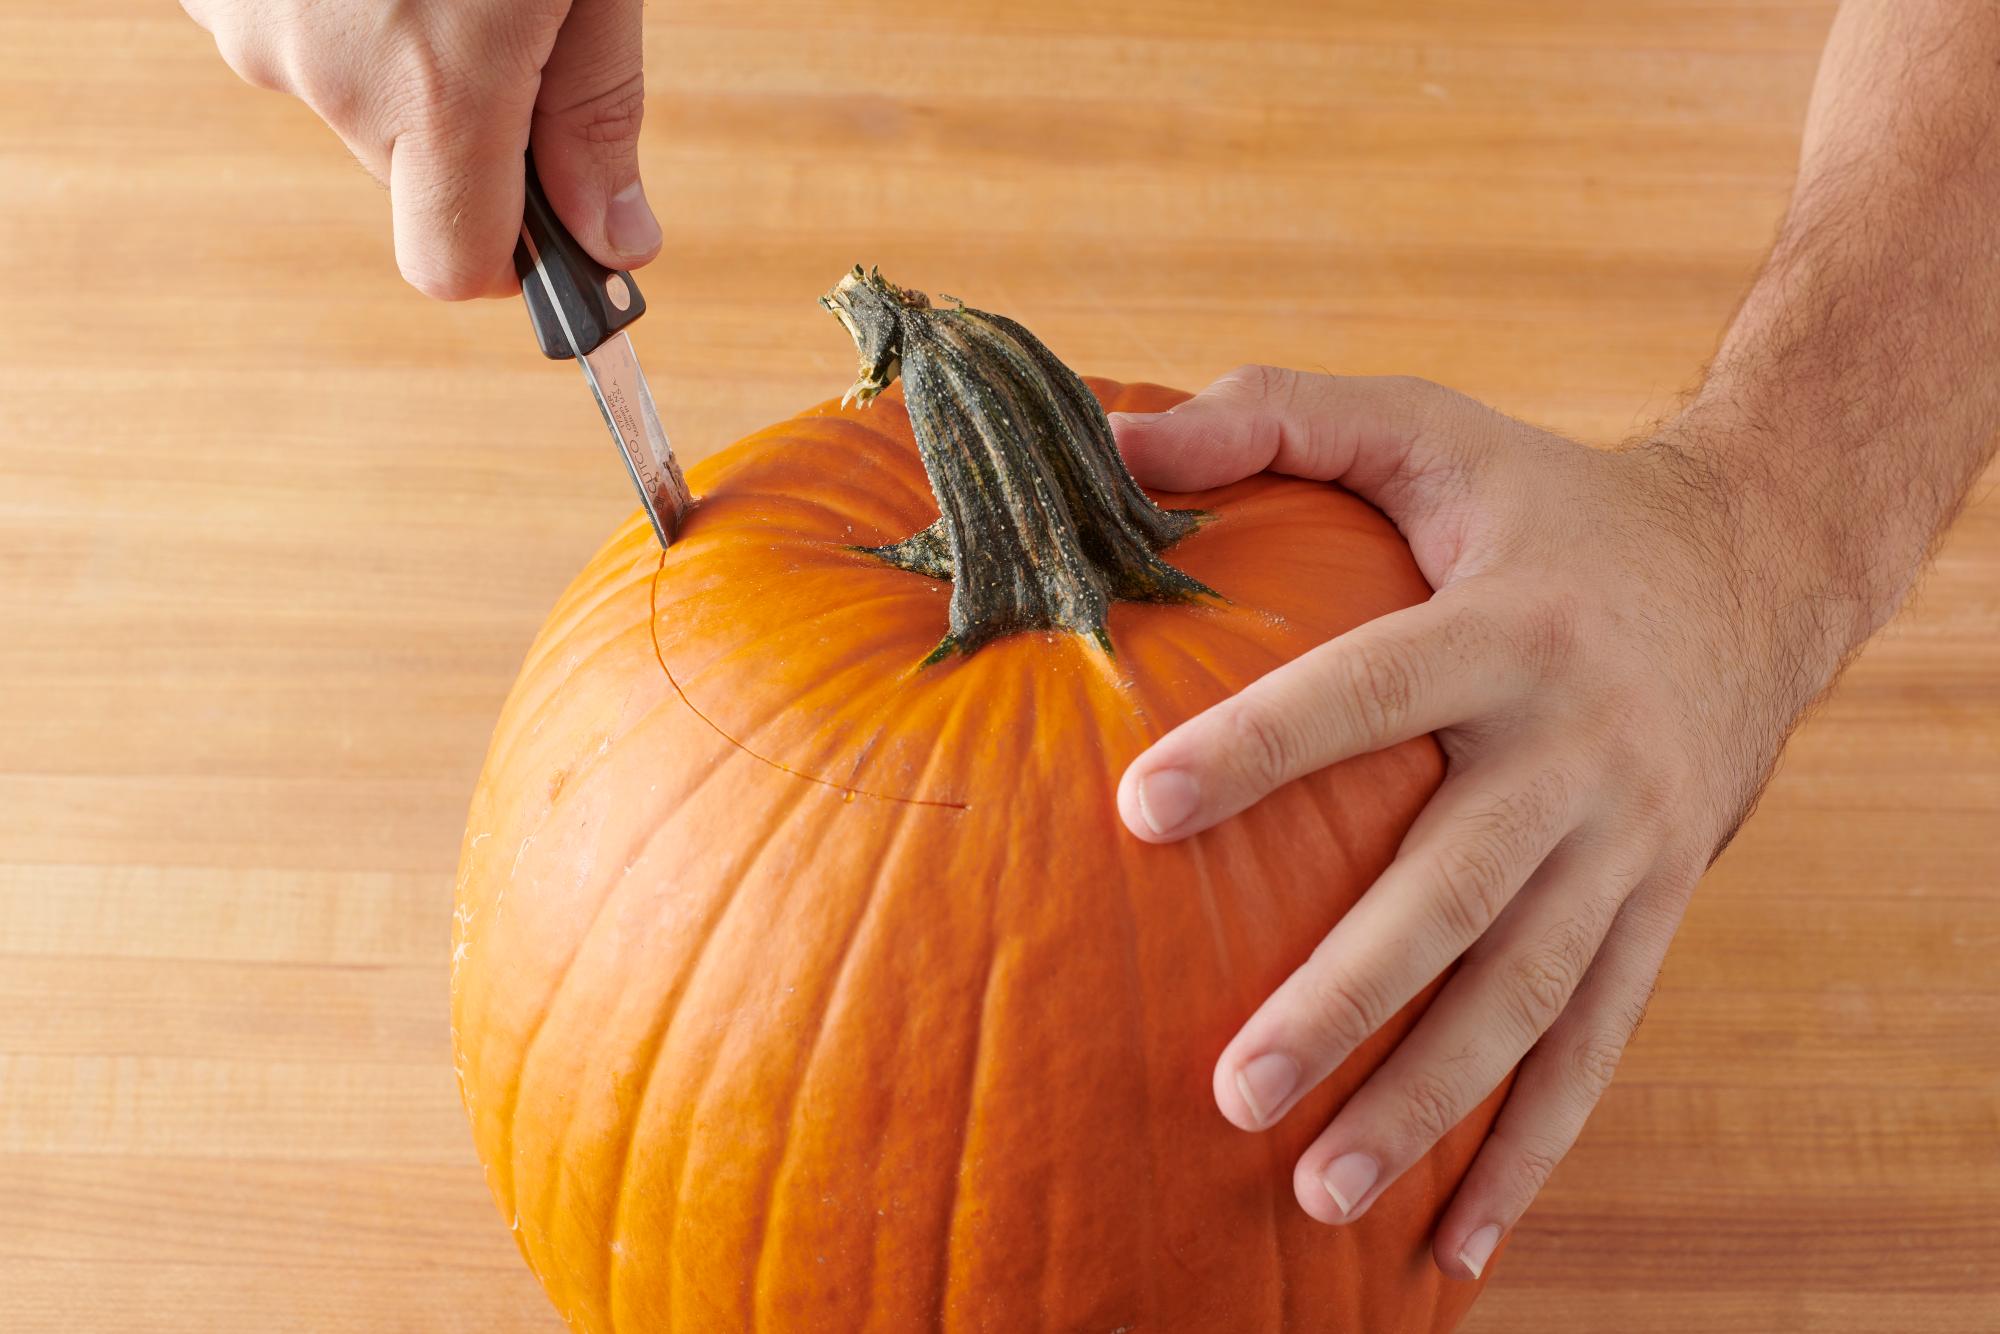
<point>275,533</point>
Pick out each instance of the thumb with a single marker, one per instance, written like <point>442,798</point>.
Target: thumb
<point>1364,431</point>
<point>586,132</point>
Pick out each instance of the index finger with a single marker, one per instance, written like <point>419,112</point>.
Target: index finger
<point>1399,676</point>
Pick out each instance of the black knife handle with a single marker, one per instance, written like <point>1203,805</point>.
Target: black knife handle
<point>594,301</point>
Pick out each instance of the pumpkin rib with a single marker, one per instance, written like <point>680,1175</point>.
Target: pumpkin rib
<point>754,645</point>
<point>599,582</point>
<point>948,1234</point>
<point>814,546</point>
<point>1276,1184</point>
<point>613,890</point>
<point>1141,1021</point>
<point>575,779</point>
<point>833,682</point>
<point>835,432</point>
<point>888,861</point>
<point>1201,663</point>
<point>1233,979</point>
<point>828,684</point>
<point>510,1138</point>
<point>1277,1191</point>
<point>793,1103</point>
<point>783,706</point>
<point>1275,1195</point>
<point>511,1094</point>
<point>671,1003</point>
<point>502,749</point>
<point>658,1033</point>
<point>1333,833</point>
<point>1277,1153</point>
<point>988,969</point>
<point>559,632</point>
<point>1026,690</point>
<point>1250,624</point>
<point>705,1091</point>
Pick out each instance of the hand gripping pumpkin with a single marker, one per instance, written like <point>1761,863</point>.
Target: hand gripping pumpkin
<point>805,978</point>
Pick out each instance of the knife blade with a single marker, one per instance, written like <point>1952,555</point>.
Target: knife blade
<point>580,309</point>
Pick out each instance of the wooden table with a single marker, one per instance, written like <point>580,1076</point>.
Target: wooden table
<point>274,533</point>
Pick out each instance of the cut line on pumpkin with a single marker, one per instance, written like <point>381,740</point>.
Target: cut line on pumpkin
<point>847,791</point>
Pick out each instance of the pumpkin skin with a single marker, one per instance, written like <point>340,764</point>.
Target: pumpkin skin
<point>797,987</point>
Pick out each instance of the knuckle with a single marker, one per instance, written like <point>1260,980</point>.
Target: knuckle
<point>332,96</point>
<point>1528,817</point>
<point>1571,943</point>
<point>1474,879</point>
<point>1680,870</point>
<point>1550,796</point>
<point>1275,389</point>
<point>435,114</point>
<point>1380,687</point>
<point>1430,1107</point>
<point>1542,979</point>
<point>1594,1058</point>
<point>1268,744</point>
<point>1413,388</point>
<point>1656,907</point>
<point>1424,403</point>
<point>1341,1012</point>
<point>1273,407</point>
<point>1534,1163</point>
<point>533,21</point>
<point>249,61</point>
<point>1632,1012</point>
<point>1549,634</point>
<point>1257,379</point>
<point>1652,805</point>
<point>1677,774</point>
<point>610,118</point>
<point>1471,634</point>
<point>432,98</point>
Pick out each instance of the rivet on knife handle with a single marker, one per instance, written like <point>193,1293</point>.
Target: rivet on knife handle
<point>578,303</point>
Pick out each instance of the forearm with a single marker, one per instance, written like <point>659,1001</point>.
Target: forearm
<point>1856,395</point>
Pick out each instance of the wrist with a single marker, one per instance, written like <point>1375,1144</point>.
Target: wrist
<point>1820,563</point>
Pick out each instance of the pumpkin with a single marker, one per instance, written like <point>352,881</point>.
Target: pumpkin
<point>804,977</point>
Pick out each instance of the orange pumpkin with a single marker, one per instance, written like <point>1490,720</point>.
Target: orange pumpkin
<point>805,979</point>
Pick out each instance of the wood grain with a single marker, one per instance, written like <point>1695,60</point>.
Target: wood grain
<point>274,533</point>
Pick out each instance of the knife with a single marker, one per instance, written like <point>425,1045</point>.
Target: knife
<point>580,309</point>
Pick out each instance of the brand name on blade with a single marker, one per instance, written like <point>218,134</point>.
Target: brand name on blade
<point>628,438</point>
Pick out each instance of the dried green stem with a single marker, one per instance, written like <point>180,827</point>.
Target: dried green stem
<point>1040,526</point>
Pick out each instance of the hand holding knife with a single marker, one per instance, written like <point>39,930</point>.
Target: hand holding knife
<point>580,309</point>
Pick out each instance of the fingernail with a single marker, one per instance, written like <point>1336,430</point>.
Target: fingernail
<point>1478,1248</point>
<point>1167,797</point>
<point>1348,1179</point>
<point>1265,1082</point>
<point>629,224</point>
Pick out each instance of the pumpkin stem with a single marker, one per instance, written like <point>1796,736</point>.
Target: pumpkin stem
<point>1040,526</point>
